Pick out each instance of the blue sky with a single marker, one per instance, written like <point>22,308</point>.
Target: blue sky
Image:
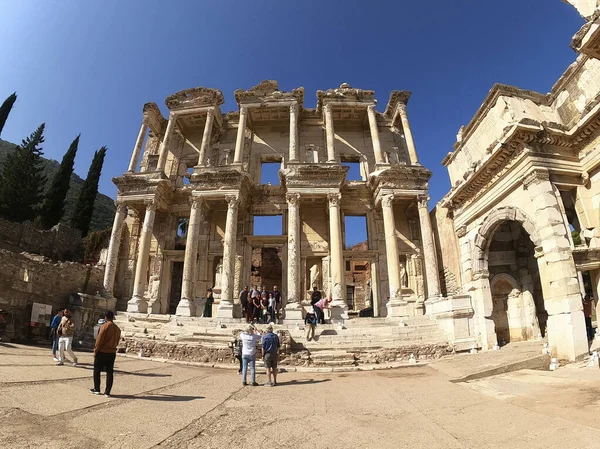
<point>88,67</point>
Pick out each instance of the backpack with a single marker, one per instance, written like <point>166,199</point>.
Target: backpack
<point>311,318</point>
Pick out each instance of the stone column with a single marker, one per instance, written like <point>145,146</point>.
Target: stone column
<point>225,309</point>
<point>338,274</point>
<point>329,132</point>
<point>210,116</point>
<point>137,149</point>
<point>410,143</point>
<point>431,266</point>
<point>241,136</point>
<point>187,305</point>
<point>113,249</point>
<point>164,146</point>
<point>138,303</point>
<point>293,308</point>
<point>294,132</point>
<point>375,134</point>
<point>396,306</point>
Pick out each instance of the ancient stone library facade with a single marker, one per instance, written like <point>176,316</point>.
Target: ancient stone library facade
<point>494,262</point>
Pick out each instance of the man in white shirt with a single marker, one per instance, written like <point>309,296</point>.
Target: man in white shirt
<point>250,338</point>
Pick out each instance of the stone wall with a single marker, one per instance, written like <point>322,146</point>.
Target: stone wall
<point>59,243</point>
<point>29,278</point>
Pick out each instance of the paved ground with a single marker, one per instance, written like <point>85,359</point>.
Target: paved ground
<point>174,406</point>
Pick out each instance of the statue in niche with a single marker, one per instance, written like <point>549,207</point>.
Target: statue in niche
<point>403,275</point>
<point>315,276</point>
<point>218,275</point>
<point>224,156</point>
<point>153,287</point>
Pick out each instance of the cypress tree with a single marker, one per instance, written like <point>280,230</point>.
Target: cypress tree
<point>53,208</point>
<point>22,181</point>
<point>5,109</point>
<point>82,217</point>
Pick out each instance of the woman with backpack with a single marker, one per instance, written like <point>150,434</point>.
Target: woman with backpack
<point>310,320</point>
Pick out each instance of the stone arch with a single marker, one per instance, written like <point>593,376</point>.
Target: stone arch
<point>504,277</point>
<point>490,224</point>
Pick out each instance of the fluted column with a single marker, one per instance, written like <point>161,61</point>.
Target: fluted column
<point>210,116</point>
<point>137,149</point>
<point>113,249</point>
<point>294,132</point>
<point>241,135</point>
<point>431,264</point>
<point>138,303</point>
<point>164,146</point>
<point>338,268</point>
<point>375,134</point>
<point>396,306</point>
<point>225,309</point>
<point>187,306</point>
<point>328,110</point>
<point>293,309</point>
<point>410,143</point>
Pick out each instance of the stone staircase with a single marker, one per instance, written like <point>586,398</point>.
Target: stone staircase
<point>360,341</point>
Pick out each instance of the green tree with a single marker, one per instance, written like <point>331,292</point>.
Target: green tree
<point>22,181</point>
<point>5,109</point>
<point>82,216</point>
<point>53,208</point>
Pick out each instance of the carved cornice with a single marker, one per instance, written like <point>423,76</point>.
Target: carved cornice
<point>313,175</point>
<point>154,118</point>
<point>400,177</point>
<point>195,97</point>
<point>268,91</point>
<point>397,97</point>
<point>536,176</point>
<point>344,93</point>
<point>219,178</point>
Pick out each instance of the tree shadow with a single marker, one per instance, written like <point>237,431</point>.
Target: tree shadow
<point>158,397</point>
<point>303,382</point>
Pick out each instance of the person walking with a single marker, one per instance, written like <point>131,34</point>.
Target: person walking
<point>270,353</point>
<point>587,313</point>
<point>237,350</point>
<point>320,307</point>
<point>65,331</point>
<point>207,313</point>
<point>249,338</point>
<point>105,352</point>
<point>53,335</point>
<point>244,302</point>
<point>310,320</point>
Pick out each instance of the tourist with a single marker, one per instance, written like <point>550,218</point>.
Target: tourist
<point>272,308</point>
<point>208,305</point>
<point>244,301</point>
<point>264,304</point>
<point>53,327</point>
<point>320,307</point>
<point>315,297</point>
<point>256,309</point>
<point>587,313</point>
<point>277,295</point>
<point>65,331</point>
<point>249,340</point>
<point>270,353</point>
<point>310,320</point>
<point>105,352</point>
<point>237,350</point>
<point>254,293</point>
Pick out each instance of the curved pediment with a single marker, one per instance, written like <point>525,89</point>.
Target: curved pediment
<point>268,90</point>
<point>195,97</point>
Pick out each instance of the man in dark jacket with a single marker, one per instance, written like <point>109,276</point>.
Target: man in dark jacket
<point>105,352</point>
<point>53,327</point>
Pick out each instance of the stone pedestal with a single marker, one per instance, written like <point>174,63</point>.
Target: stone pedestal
<point>455,316</point>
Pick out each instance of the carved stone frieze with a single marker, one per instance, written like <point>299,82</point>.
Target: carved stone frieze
<point>535,176</point>
<point>344,93</point>
<point>268,91</point>
<point>402,177</point>
<point>195,97</point>
<point>314,175</point>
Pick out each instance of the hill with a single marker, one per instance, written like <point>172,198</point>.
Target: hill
<point>104,208</point>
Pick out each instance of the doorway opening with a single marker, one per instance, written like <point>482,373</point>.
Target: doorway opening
<point>175,291</point>
<point>267,268</point>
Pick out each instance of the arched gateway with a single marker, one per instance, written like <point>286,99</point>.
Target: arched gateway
<point>521,285</point>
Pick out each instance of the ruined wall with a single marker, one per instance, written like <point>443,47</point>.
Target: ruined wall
<point>29,278</point>
<point>59,243</point>
<point>446,245</point>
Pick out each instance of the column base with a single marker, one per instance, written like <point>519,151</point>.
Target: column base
<point>224,310</point>
<point>567,335</point>
<point>137,304</point>
<point>293,314</point>
<point>338,313</point>
<point>154,307</point>
<point>397,308</point>
<point>186,308</point>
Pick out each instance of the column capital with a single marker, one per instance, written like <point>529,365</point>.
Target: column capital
<point>243,110</point>
<point>328,108</point>
<point>151,205</point>
<point>197,202</point>
<point>292,199</point>
<point>294,108</point>
<point>422,201</point>
<point>145,120</point>
<point>334,199</point>
<point>387,200</point>
<point>401,108</point>
<point>121,206</point>
<point>536,176</point>
<point>210,113</point>
<point>232,201</point>
<point>371,108</point>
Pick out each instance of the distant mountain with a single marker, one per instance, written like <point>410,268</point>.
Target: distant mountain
<point>104,207</point>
